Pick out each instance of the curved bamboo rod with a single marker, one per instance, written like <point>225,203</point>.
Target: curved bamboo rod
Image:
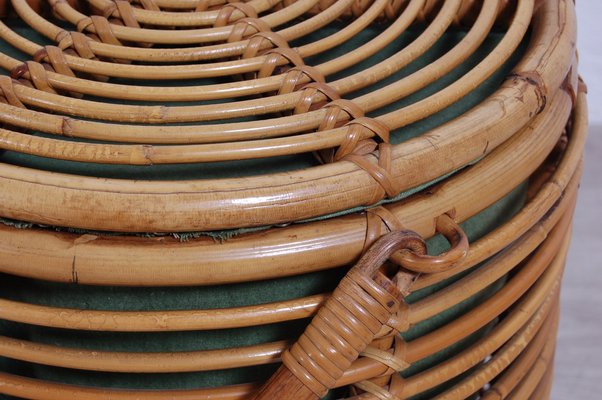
<point>56,33</point>
<point>46,391</point>
<point>185,54</point>
<point>352,177</point>
<point>250,315</point>
<point>521,341</point>
<point>218,91</point>
<point>538,375</point>
<point>544,388</point>
<point>507,381</point>
<point>180,19</point>
<point>510,351</point>
<point>80,359</point>
<point>98,260</point>
<point>158,362</point>
<point>203,35</point>
<point>172,134</point>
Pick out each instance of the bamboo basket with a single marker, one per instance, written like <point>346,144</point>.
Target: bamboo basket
<point>278,199</point>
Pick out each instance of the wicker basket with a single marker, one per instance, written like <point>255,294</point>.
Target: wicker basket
<point>205,199</point>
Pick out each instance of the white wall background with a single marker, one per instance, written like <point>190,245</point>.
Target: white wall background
<point>578,371</point>
<point>589,14</point>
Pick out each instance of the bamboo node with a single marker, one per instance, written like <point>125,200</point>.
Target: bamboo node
<point>534,79</point>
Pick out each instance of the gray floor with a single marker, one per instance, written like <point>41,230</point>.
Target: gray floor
<point>578,373</point>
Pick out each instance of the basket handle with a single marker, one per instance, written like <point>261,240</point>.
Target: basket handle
<point>365,300</point>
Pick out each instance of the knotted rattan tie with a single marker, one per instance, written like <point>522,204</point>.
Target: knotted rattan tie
<point>363,302</point>
<point>77,41</point>
<point>8,92</point>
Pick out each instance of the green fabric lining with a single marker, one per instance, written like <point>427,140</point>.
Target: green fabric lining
<point>86,297</point>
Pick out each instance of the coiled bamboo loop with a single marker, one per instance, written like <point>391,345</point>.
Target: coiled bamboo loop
<point>421,263</point>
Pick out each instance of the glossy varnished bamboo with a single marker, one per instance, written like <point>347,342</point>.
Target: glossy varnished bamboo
<point>224,213</point>
<point>98,260</point>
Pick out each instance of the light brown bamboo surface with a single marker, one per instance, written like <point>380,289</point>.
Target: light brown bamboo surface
<point>251,315</point>
<point>234,89</point>
<point>538,351</point>
<point>537,380</point>
<point>230,67</point>
<point>195,134</point>
<point>254,355</point>
<point>233,48</point>
<point>545,288</point>
<point>536,355</point>
<point>537,230</point>
<point>543,390</point>
<point>194,36</point>
<point>146,155</point>
<point>99,260</point>
<point>269,211</point>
